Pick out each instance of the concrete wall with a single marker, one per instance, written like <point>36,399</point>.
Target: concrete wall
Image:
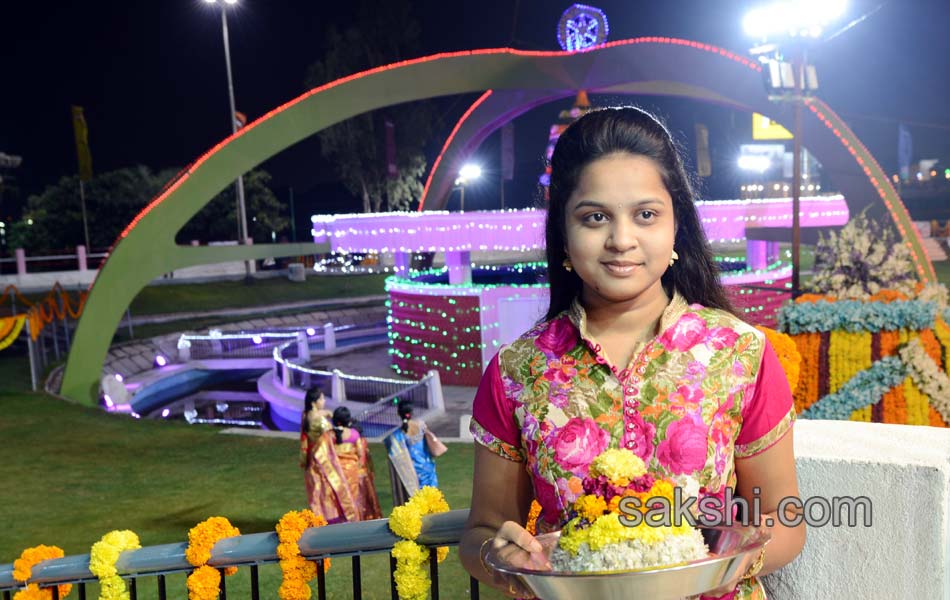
<point>905,471</point>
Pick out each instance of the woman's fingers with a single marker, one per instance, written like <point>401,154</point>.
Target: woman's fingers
<point>517,535</point>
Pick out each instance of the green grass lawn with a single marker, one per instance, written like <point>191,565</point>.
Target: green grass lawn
<point>72,473</point>
<point>189,297</point>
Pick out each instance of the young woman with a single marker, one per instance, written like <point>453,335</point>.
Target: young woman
<point>357,464</point>
<point>639,349</point>
<point>338,471</point>
<point>410,457</point>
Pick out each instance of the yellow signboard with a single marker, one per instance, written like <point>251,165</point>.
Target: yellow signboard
<point>764,128</point>
<point>82,144</point>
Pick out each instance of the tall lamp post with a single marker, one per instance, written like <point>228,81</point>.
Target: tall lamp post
<point>239,182</point>
<point>467,173</point>
<point>796,23</point>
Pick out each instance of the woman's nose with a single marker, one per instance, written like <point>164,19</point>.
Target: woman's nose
<point>623,236</point>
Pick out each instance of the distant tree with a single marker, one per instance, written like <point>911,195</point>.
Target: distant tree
<point>267,217</point>
<point>52,221</point>
<point>384,32</point>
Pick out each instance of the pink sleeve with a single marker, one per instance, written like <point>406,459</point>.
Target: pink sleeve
<point>493,416</point>
<point>769,411</point>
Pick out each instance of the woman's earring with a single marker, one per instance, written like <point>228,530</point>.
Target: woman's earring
<point>567,265</point>
<point>674,258</point>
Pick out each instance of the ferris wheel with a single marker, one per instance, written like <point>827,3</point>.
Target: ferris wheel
<point>581,27</point>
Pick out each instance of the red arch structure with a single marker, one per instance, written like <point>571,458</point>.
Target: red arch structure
<point>517,80</point>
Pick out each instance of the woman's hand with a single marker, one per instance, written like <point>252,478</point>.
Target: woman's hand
<point>513,545</point>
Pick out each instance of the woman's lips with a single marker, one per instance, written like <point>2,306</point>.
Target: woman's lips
<point>620,267</point>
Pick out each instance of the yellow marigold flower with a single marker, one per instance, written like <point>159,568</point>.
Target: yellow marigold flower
<point>406,522</point>
<point>104,553</point>
<point>113,588</point>
<point>661,489</point>
<point>412,584</point>
<point>442,552</point>
<point>616,463</point>
<point>606,530</point>
<point>614,504</point>
<point>590,506</point>
<point>430,500</point>
<point>410,552</point>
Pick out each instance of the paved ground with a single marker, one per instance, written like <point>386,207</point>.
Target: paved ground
<point>375,362</point>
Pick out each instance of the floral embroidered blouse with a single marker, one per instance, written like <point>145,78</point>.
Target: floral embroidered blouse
<point>708,389</point>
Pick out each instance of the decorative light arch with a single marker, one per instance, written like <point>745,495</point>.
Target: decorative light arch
<point>147,248</point>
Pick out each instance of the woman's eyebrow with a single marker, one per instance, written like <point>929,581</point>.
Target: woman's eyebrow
<point>602,206</point>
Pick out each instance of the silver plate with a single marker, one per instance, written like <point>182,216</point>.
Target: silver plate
<point>732,550</point>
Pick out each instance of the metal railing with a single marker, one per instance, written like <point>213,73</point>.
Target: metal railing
<point>231,345</point>
<point>382,394</point>
<point>291,356</point>
<point>21,264</point>
<point>331,541</point>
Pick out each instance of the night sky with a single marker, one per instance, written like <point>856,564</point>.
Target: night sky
<point>151,77</point>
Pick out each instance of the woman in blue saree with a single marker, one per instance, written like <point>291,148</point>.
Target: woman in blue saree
<point>409,455</point>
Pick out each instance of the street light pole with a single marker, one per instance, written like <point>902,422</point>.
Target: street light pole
<point>799,69</point>
<point>239,182</point>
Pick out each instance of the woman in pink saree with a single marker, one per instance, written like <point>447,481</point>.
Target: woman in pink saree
<point>338,476</point>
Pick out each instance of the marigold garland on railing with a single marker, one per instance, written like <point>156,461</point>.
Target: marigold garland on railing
<point>10,328</point>
<point>412,580</point>
<point>204,583</point>
<point>297,571</point>
<point>23,569</point>
<point>102,558</point>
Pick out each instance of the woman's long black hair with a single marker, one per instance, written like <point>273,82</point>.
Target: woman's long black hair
<point>308,401</point>
<point>341,418</point>
<point>404,409</point>
<point>633,131</point>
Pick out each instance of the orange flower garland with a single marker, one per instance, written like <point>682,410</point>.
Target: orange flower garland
<point>809,348</point>
<point>23,569</point>
<point>533,514</point>
<point>297,570</point>
<point>813,298</point>
<point>787,353</point>
<point>204,583</point>
<point>893,404</point>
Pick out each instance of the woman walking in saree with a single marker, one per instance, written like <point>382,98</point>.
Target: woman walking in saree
<point>357,464</point>
<point>410,457</point>
<point>338,477</point>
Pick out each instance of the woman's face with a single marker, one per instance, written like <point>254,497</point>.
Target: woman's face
<point>319,403</point>
<point>620,229</point>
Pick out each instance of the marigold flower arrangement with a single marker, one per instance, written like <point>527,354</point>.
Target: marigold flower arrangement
<point>102,558</point>
<point>787,352</point>
<point>23,569</point>
<point>412,579</point>
<point>204,583</point>
<point>597,538</point>
<point>531,525</point>
<point>874,341</point>
<point>297,571</point>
